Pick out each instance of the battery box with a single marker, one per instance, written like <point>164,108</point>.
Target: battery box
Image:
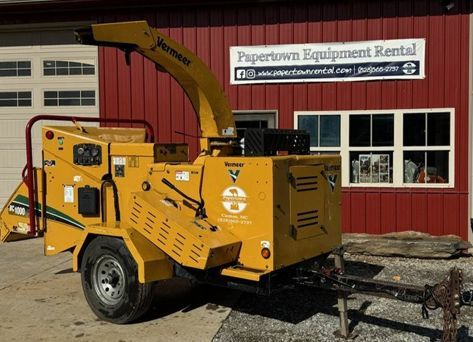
<point>88,201</point>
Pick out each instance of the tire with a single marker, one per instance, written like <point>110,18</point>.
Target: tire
<point>109,277</point>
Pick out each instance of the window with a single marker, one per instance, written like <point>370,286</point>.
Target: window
<point>15,68</point>
<point>375,131</point>
<point>386,147</point>
<point>372,130</point>
<point>426,147</point>
<point>253,119</point>
<point>69,98</point>
<point>66,68</point>
<point>324,130</point>
<point>15,99</point>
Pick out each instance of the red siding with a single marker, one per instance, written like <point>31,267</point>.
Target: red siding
<point>140,91</point>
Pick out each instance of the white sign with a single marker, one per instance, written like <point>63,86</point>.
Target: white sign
<point>68,194</point>
<point>328,62</point>
<point>182,176</point>
<point>119,160</point>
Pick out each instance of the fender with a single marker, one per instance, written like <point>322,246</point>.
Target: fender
<point>153,264</point>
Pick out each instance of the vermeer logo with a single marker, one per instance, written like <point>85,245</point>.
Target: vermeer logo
<point>332,181</point>
<point>234,175</point>
<point>230,164</point>
<point>234,199</point>
<point>160,43</point>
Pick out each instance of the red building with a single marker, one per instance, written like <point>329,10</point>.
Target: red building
<point>405,143</point>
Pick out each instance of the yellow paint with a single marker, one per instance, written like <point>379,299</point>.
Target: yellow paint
<point>287,204</point>
<point>201,86</point>
<point>14,220</point>
<point>153,264</point>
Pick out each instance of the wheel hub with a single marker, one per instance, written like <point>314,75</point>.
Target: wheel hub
<point>108,279</point>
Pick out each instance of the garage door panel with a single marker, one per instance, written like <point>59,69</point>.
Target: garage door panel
<point>38,46</point>
<point>11,177</point>
<point>7,189</point>
<point>12,128</point>
<point>12,158</point>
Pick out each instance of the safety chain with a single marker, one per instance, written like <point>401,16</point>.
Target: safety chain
<point>445,295</point>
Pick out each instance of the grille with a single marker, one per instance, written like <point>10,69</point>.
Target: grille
<point>307,183</point>
<point>307,218</point>
<point>307,198</point>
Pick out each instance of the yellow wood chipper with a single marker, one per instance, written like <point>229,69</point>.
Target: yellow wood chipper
<point>132,211</point>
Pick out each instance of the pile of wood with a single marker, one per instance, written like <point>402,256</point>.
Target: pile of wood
<point>407,244</point>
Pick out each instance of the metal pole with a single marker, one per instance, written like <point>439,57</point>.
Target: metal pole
<point>342,296</point>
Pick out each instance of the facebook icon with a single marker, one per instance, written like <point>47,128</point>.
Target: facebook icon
<point>240,74</point>
<point>245,74</point>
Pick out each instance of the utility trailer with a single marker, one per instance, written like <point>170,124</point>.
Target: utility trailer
<point>133,212</point>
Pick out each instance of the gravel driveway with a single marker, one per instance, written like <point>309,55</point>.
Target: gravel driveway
<point>311,314</point>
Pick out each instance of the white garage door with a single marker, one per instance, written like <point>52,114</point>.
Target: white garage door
<point>41,72</point>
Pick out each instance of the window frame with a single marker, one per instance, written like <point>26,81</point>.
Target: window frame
<point>271,116</point>
<point>91,61</point>
<point>398,149</point>
<point>17,91</point>
<point>58,91</point>
<point>320,149</point>
<point>15,60</point>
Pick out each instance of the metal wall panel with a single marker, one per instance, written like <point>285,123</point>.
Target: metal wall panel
<point>211,31</point>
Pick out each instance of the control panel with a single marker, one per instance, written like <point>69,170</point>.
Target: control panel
<point>87,154</point>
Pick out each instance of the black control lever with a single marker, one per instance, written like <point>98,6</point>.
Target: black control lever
<point>200,211</point>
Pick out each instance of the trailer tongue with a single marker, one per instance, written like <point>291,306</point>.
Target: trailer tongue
<point>447,295</point>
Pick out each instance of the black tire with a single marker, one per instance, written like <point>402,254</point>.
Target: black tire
<point>107,267</point>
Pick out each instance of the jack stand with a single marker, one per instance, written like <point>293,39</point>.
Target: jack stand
<point>344,331</point>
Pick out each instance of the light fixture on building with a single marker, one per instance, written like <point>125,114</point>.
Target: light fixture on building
<point>448,5</point>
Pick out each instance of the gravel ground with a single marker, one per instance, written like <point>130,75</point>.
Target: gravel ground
<point>311,314</point>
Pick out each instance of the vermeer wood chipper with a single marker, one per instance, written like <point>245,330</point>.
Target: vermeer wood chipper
<point>132,211</point>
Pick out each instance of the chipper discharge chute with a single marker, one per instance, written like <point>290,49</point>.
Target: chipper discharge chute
<point>132,211</point>
<point>14,217</point>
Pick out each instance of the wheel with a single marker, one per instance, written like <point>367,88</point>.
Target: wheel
<point>110,282</point>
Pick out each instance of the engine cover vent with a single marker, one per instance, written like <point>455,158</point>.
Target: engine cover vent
<point>307,201</point>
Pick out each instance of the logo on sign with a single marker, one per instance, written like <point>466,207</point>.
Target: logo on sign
<point>245,74</point>
<point>49,163</point>
<point>332,181</point>
<point>234,174</point>
<point>409,68</point>
<point>234,199</point>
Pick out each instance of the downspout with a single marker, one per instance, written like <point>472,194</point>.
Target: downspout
<point>470,125</point>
